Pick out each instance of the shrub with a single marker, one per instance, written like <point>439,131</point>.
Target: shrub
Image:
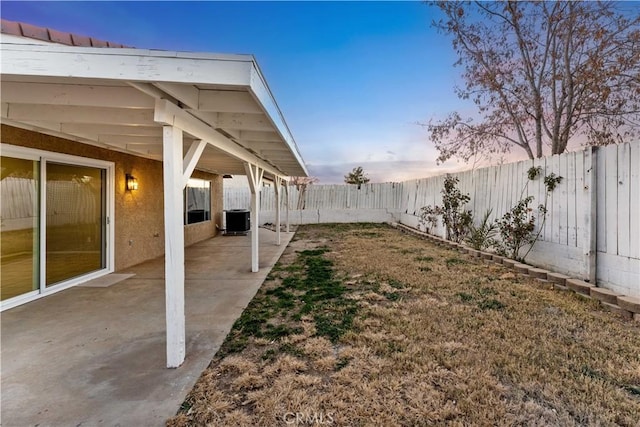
<point>456,219</point>
<point>517,229</point>
<point>428,218</point>
<point>481,236</point>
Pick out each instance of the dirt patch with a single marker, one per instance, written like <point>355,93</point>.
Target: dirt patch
<point>363,325</point>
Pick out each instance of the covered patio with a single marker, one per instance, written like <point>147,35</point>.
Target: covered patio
<point>163,116</point>
<point>94,354</point>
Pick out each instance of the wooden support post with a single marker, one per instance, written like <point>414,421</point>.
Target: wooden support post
<point>590,211</point>
<point>277,183</point>
<point>286,196</point>
<point>254,176</point>
<point>174,244</point>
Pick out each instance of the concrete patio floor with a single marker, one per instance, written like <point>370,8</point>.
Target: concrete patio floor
<point>95,356</point>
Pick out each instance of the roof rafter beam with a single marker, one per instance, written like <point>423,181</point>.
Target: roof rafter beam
<point>128,139</point>
<point>170,114</point>
<point>261,136</point>
<point>186,94</point>
<point>82,95</point>
<point>152,91</point>
<point>274,153</point>
<point>251,145</point>
<point>239,121</point>
<point>227,101</point>
<point>84,128</point>
<point>52,128</point>
<point>146,149</point>
<point>77,114</point>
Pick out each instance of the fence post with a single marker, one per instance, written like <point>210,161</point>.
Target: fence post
<point>589,247</point>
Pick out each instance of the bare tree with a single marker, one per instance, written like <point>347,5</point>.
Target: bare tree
<point>301,183</point>
<point>541,73</point>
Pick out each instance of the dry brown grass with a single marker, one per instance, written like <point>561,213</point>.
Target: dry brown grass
<point>438,338</point>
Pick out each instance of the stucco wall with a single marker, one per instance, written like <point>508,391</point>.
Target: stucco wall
<point>139,215</point>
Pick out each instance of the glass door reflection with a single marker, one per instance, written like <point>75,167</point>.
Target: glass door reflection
<point>75,221</point>
<point>19,261</point>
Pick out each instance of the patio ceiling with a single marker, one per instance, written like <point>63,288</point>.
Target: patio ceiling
<point>120,98</point>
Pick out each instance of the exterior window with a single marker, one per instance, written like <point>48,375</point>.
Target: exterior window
<point>197,201</point>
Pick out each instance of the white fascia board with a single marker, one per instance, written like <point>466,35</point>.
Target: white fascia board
<point>124,64</point>
<point>263,94</point>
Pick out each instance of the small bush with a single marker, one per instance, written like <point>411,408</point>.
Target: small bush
<point>455,219</point>
<point>517,229</point>
<point>481,236</point>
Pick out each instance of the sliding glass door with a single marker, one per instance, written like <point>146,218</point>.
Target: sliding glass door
<point>54,225</point>
<point>75,221</point>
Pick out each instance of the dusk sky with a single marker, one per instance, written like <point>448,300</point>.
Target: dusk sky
<point>351,78</point>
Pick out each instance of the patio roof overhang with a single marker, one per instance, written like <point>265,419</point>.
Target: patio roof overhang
<point>188,110</point>
<point>121,98</point>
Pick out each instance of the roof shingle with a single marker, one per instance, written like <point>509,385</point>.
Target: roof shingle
<point>22,29</point>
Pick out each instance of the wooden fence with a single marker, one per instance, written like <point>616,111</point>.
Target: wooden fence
<point>329,197</point>
<point>592,227</point>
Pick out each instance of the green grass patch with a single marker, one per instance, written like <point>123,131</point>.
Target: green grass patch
<point>454,261</point>
<point>342,362</point>
<point>270,354</point>
<point>490,304</point>
<point>487,291</point>
<point>464,297</point>
<point>333,324</point>
<point>307,286</point>
<point>397,284</point>
<point>392,296</point>
<point>291,349</point>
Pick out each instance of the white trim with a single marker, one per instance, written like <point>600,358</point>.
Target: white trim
<point>138,65</point>
<point>42,224</point>
<point>35,295</point>
<point>48,156</point>
<point>19,300</point>
<point>36,154</point>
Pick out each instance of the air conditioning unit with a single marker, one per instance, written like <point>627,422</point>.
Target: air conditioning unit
<point>237,222</point>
